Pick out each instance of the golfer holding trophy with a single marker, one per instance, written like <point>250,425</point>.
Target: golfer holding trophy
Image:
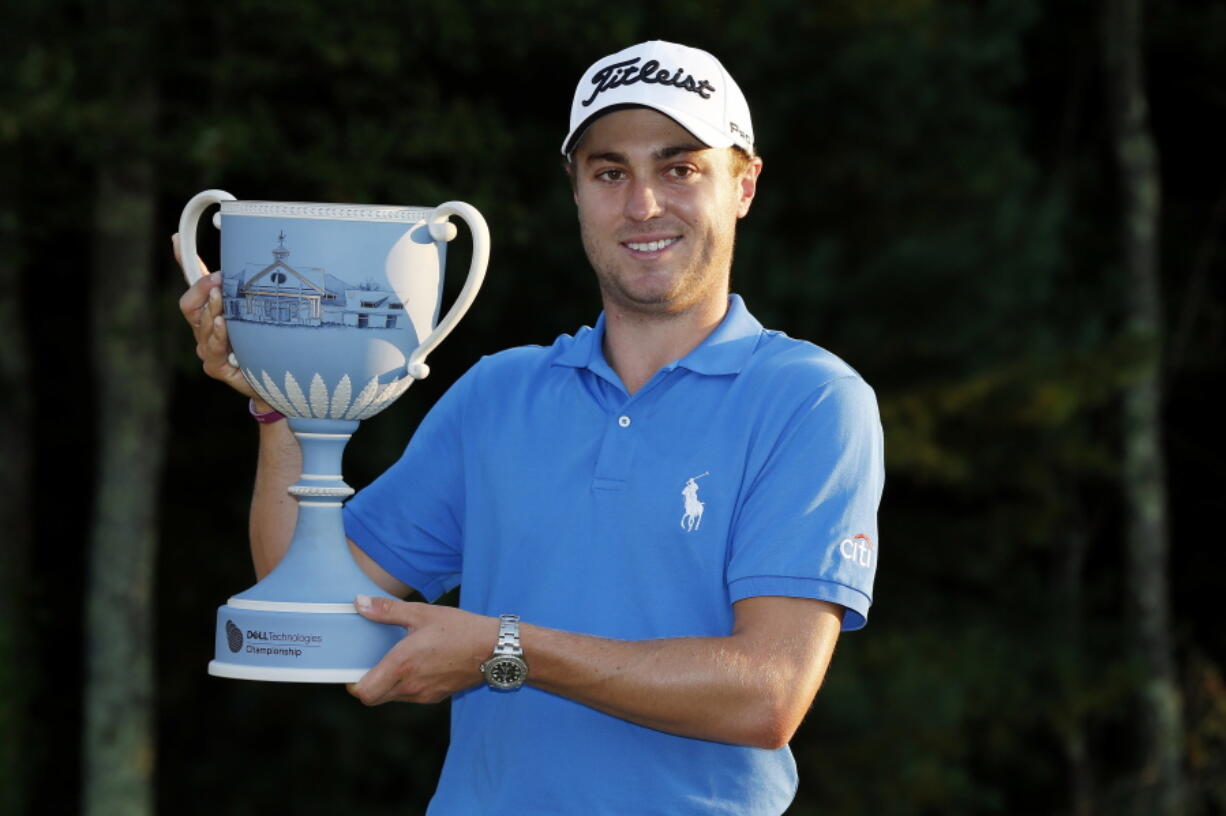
<point>659,524</point>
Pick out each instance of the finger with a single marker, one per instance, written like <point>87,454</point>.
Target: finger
<point>197,297</point>
<point>220,335</point>
<point>219,348</point>
<point>202,328</point>
<point>368,690</point>
<point>215,340</point>
<point>389,610</point>
<point>378,685</point>
<point>214,350</point>
<point>214,302</point>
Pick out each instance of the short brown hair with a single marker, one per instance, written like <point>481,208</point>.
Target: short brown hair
<point>740,160</point>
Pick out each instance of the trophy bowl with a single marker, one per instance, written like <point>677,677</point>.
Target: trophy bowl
<point>331,311</point>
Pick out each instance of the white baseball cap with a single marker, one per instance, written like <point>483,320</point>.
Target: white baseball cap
<point>686,84</point>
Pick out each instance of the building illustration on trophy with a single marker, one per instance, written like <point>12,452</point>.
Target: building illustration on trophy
<point>296,295</point>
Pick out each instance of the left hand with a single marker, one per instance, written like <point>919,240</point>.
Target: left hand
<point>441,654</point>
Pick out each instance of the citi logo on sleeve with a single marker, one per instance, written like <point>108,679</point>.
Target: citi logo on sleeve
<point>858,549</point>
<point>692,517</point>
<point>629,72</point>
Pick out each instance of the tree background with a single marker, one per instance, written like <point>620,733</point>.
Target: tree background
<point>941,206</point>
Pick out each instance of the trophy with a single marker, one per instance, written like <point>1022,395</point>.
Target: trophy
<point>331,311</point>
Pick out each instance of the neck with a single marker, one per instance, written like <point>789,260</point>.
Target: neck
<point>637,345</point>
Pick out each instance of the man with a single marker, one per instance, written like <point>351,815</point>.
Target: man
<point>674,511</point>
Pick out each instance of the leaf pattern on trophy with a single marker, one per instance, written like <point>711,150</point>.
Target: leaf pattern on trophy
<point>340,398</point>
<point>364,398</point>
<point>275,398</point>
<point>394,394</point>
<point>402,385</point>
<point>296,397</point>
<point>257,386</point>
<point>319,397</point>
<point>376,404</point>
<point>386,397</point>
<point>254,382</point>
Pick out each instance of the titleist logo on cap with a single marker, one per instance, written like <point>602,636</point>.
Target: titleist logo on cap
<point>629,72</point>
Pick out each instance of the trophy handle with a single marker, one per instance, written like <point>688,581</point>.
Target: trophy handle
<point>442,230</point>
<point>187,230</point>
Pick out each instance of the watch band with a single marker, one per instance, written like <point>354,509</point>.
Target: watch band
<point>265,417</point>
<point>508,636</point>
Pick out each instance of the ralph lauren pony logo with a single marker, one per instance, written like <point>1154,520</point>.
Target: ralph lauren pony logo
<point>629,72</point>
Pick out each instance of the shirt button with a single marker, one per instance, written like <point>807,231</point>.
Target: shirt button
<point>623,421</point>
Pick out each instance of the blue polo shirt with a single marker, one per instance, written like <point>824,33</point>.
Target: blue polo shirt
<point>752,466</point>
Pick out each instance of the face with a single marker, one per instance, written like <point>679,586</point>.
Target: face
<point>658,212</point>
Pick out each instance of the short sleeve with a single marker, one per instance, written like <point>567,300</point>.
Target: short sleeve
<point>409,520</point>
<point>807,524</point>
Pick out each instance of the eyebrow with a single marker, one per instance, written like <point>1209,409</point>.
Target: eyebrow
<point>663,154</point>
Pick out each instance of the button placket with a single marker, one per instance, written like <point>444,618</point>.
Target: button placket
<point>614,463</point>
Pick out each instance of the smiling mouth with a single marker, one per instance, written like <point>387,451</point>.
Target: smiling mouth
<point>652,246</point>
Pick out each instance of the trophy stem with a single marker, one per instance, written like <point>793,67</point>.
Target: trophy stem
<point>299,623</point>
<point>318,567</point>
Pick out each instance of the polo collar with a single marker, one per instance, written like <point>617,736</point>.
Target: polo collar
<point>726,350</point>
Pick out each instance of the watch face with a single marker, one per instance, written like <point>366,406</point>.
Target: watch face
<point>506,673</point>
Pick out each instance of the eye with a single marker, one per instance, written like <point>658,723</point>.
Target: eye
<point>680,172</point>
<point>611,174</point>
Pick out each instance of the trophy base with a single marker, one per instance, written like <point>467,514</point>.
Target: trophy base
<point>235,671</point>
<point>298,642</point>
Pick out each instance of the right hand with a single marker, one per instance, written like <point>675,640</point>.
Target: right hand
<point>202,309</point>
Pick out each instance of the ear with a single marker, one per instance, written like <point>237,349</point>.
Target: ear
<point>748,184</point>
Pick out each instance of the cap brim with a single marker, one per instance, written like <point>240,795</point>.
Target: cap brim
<point>709,136</point>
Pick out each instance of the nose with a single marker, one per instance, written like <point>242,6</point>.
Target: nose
<point>643,201</point>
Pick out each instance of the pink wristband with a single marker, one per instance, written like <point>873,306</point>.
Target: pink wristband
<point>266,418</point>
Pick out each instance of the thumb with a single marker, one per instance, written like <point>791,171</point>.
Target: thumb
<point>385,610</point>
<point>176,246</point>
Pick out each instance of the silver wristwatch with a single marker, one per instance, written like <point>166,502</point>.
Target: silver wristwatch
<point>506,669</point>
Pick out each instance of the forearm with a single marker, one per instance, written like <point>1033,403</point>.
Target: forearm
<point>752,687</point>
<point>274,513</point>
<point>747,688</point>
<point>694,687</point>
